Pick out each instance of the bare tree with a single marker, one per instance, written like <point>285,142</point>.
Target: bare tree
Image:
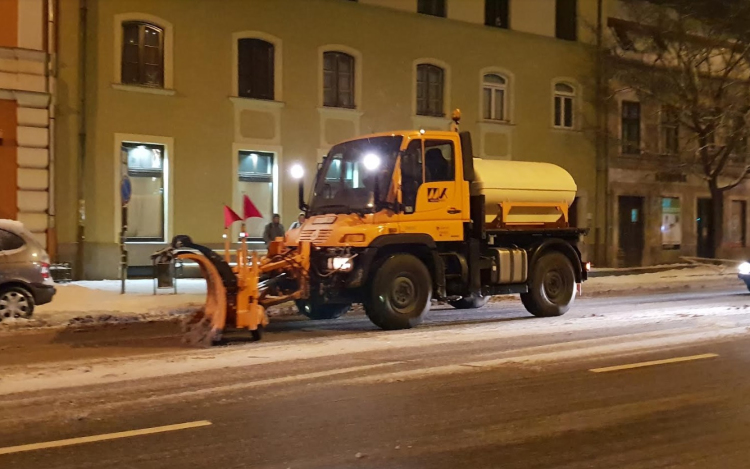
<point>692,57</point>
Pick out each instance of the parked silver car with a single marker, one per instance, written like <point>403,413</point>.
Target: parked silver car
<point>24,272</point>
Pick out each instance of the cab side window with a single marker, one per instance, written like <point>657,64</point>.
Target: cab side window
<point>411,175</point>
<point>438,160</point>
<point>10,241</point>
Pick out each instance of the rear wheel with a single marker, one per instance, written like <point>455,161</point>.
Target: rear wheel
<point>470,302</point>
<point>15,302</point>
<point>552,286</point>
<point>320,311</point>
<point>400,293</point>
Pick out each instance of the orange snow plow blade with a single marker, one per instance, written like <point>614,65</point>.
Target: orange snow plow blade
<point>239,299</point>
<point>207,327</point>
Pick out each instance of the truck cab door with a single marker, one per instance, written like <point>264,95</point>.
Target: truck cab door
<point>432,200</point>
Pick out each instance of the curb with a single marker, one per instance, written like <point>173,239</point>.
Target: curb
<point>608,272</point>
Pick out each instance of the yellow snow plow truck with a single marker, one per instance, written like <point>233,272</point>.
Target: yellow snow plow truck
<point>396,220</point>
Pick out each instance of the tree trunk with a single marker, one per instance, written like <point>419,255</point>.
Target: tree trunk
<point>716,228</point>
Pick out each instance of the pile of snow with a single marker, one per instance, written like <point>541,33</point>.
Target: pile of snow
<point>689,278</point>
<point>89,301</point>
<point>101,301</point>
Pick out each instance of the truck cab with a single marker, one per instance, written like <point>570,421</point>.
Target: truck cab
<point>399,219</point>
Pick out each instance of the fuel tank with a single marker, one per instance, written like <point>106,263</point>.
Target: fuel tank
<point>523,193</point>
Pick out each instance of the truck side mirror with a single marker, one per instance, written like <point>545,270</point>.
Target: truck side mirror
<point>301,196</point>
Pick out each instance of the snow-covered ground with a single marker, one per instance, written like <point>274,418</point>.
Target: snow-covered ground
<point>101,301</point>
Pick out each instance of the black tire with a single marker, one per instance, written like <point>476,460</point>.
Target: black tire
<point>552,286</point>
<point>470,302</point>
<point>318,311</point>
<point>16,302</point>
<point>400,293</point>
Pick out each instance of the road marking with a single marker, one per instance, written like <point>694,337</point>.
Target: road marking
<point>103,437</point>
<point>654,363</point>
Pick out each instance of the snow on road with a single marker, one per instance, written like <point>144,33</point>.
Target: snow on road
<point>92,301</point>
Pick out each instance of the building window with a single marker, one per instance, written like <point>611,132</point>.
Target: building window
<point>565,96</point>
<point>631,128</point>
<point>566,19</point>
<point>497,13</point>
<point>670,130</point>
<point>431,7</point>
<point>738,223</point>
<point>494,97</point>
<point>739,131</point>
<point>671,227</point>
<point>145,166</point>
<point>142,54</point>
<point>430,89</point>
<point>255,179</point>
<point>255,69</point>
<point>338,80</point>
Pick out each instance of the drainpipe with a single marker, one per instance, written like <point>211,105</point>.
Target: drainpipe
<point>81,231</point>
<point>51,28</point>
<point>602,142</point>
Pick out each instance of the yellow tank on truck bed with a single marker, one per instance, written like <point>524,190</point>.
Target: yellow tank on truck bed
<point>520,193</point>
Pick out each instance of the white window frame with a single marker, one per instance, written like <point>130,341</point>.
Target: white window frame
<point>508,89</point>
<point>564,95</point>
<point>168,168</point>
<point>278,68</point>
<point>121,18</point>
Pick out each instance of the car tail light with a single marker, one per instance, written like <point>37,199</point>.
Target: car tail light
<point>45,270</point>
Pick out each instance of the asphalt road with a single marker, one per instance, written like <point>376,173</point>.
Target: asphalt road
<point>488,389</point>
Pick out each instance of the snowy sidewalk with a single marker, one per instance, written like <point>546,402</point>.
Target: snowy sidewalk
<point>101,302</point>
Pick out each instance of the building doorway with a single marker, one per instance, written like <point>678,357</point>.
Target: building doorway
<point>702,227</point>
<point>632,232</point>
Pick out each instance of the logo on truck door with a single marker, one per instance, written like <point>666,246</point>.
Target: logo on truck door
<point>436,194</point>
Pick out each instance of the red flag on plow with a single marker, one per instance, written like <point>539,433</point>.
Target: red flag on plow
<point>230,216</point>
<point>249,210</point>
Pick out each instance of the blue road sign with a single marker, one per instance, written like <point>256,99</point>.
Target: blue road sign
<point>126,190</point>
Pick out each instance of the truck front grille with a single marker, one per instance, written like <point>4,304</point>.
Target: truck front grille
<point>315,235</point>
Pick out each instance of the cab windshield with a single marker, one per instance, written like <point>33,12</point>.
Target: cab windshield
<point>351,172</point>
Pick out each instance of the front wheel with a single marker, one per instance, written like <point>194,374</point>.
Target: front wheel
<point>552,286</point>
<point>400,293</point>
<point>15,302</point>
<point>319,311</point>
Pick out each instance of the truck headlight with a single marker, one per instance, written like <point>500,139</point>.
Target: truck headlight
<point>340,264</point>
<point>744,268</point>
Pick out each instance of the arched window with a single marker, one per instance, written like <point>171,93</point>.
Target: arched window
<point>338,80</point>
<point>494,97</point>
<point>142,54</point>
<point>565,96</point>
<point>255,69</point>
<point>430,90</point>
